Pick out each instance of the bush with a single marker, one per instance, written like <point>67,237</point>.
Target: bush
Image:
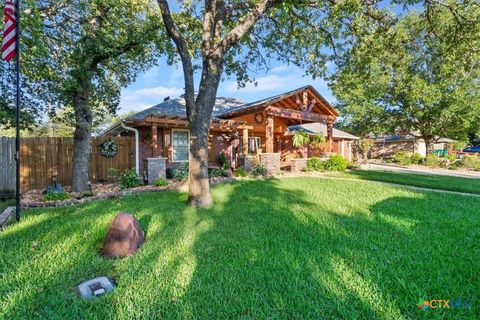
<point>222,159</point>
<point>336,163</point>
<point>432,160</point>
<point>170,172</point>
<point>416,158</point>
<point>241,172</point>
<point>113,174</point>
<point>471,162</point>
<point>219,172</point>
<point>259,170</point>
<point>181,172</point>
<point>315,164</point>
<point>56,196</point>
<point>161,182</point>
<point>402,157</point>
<point>129,179</point>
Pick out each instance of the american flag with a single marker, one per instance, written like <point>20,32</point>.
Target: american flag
<point>9,33</point>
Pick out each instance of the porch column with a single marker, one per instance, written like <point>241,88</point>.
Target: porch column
<point>330,136</point>
<point>154,140</point>
<point>245,142</point>
<point>269,134</point>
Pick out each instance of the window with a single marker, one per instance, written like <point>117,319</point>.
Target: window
<point>254,144</point>
<point>180,145</point>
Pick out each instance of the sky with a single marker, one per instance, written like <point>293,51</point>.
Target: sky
<point>163,81</point>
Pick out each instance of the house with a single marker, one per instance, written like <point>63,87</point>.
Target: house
<point>244,132</point>
<point>386,146</point>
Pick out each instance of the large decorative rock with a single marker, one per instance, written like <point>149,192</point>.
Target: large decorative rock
<point>124,237</point>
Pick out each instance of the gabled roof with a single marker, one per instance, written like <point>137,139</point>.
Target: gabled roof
<point>176,108</point>
<point>271,100</point>
<point>320,128</point>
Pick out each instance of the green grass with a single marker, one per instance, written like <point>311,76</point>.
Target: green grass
<point>277,249</point>
<point>432,181</point>
<point>4,204</point>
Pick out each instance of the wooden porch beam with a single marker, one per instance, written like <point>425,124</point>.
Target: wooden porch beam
<point>269,134</point>
<point>298,115</point>
<point>154,140</point>
<point>245,142</point>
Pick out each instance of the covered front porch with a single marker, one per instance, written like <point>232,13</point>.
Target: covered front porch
<point>270,120</point>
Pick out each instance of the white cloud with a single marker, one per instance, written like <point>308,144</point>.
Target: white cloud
<point>159,92</point>
<point>280,69</point>
<point>263,84</point>
<point>142,98</point>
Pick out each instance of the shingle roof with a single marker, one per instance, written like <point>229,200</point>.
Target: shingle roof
<point>270,100</point>
<point>316,128</point>
<point>176,108</point>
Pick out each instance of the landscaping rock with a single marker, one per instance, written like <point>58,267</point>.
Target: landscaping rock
<point>124,237</point>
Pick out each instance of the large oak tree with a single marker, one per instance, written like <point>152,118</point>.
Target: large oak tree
<point>88,51</point>
<point>420,76</point>
<point>229,38</point>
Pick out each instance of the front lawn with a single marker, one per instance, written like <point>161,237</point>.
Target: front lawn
<point>432,181</point>
<point>278,249</point>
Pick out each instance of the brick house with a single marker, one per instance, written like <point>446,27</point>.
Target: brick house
<point>244,132</point>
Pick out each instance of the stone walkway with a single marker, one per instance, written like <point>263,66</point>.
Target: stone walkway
<point>6,216</point>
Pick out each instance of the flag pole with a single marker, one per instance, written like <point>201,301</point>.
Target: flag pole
<point>17,112</point>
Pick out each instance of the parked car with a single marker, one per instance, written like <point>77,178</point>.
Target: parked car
<point>469,150</point>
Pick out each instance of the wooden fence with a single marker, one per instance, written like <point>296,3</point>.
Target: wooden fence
<point>7,166</point>
<point>45,158</point>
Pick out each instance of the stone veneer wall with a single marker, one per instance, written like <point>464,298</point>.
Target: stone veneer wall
<point>271,161</point>
<point>247,162</point>
<point>157,167</point>
<point>298,165</point>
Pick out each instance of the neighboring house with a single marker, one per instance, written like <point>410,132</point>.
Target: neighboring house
<point>240,130</point>
<point>387,146</point>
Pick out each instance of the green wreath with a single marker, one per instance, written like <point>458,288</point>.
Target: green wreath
<point>108,148</point>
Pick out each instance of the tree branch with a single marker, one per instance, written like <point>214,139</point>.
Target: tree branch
<point>182,49</point>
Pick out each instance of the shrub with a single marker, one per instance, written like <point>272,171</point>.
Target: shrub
<point>315,164</point>
<point>459,145</point>
<point>259,170</point>
<point>170,172</point>
<point>56,196</point>
<point>432,160</point>
<point>113,174</point>
<point>402,157</point>
<point>471,162</point>
<point>219,172</point>
<point>241,172</point>
<point>129,179</point>
<point>161,182</point>
<point>336,163</point>
<point>416,158</point>
<point>181,172</point>
<point>222,159</point>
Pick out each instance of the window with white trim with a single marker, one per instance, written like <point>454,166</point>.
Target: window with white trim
<point>180,143</point>
<point>254,143</point>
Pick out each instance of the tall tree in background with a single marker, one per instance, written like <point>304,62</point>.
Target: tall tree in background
<point>232,37</point>
<point>91,50</point>
<point>421,75</point>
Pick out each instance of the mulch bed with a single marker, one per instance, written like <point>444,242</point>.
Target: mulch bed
<point>101,191</point>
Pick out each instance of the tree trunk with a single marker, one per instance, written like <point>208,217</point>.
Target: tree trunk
<point>199,117</point>
<point>81,142</point>
<point>199,187</point>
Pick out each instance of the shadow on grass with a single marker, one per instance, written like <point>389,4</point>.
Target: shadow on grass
<point>296,248</point>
